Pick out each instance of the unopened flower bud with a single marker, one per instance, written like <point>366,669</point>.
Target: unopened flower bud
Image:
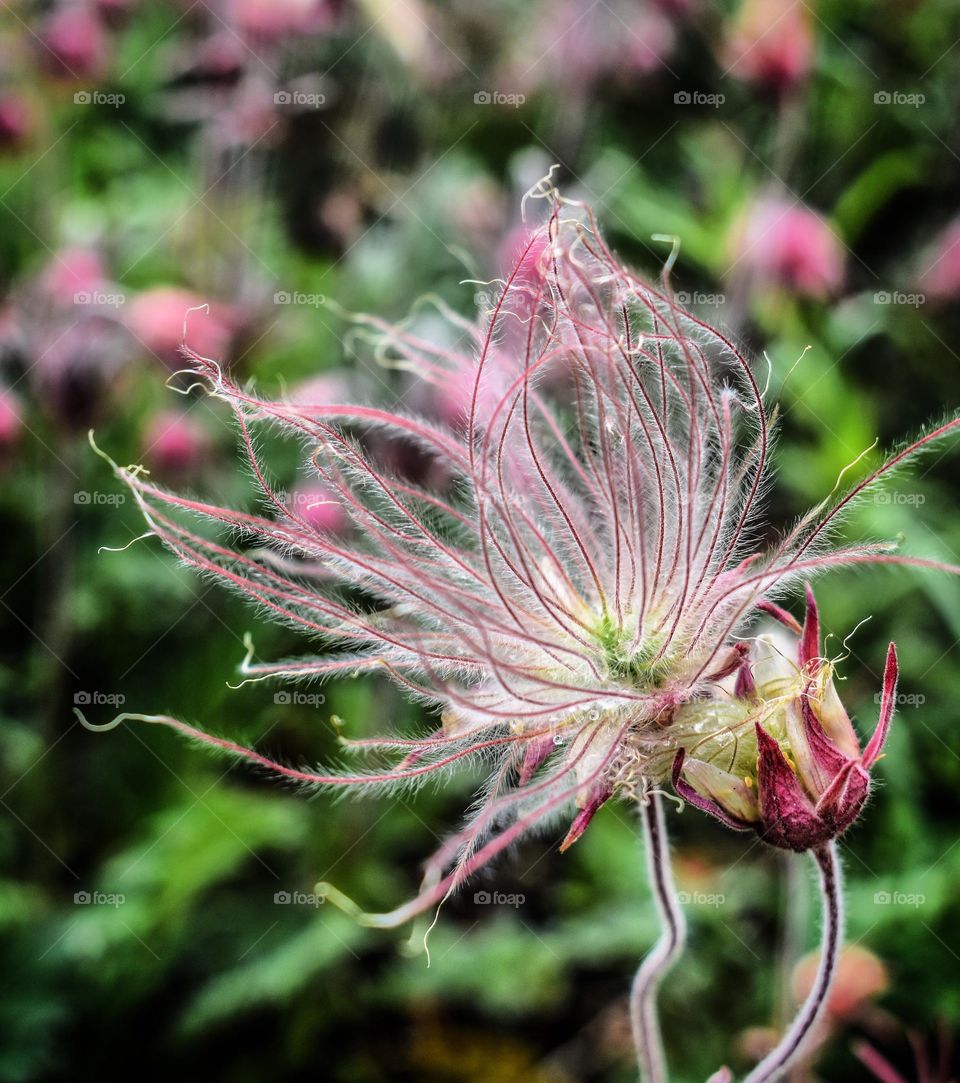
<point>781,755</point>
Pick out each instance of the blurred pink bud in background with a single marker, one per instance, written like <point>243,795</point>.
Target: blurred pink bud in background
<point>114,12</point>
<point>175,444</point>
<point>576,44</point>
<point>940,276</point>
<point>157,318</point>
<point>770,44</point>
<point>16,121</point>
<point>648,43</point>
<point>221,56</point>
<point>789,245</point>
<point>74,371</point>
<point>861,976</point>
<point>322,390</point>
<point>319,507</point>
<point>269,21</point>
<point>11,421</point>
<point>73,43</point>
<point>73,271</point>
<point>65,323</point>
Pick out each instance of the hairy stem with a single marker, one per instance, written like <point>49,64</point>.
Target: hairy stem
<point>776,1063</point>
<point>643,994</point>
<point>796,919</point>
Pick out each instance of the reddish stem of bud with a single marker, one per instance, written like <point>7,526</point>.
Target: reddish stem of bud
<point>666,951</point>
<point>778,1061</point>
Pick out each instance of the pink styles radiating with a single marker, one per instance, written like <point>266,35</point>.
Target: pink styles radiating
<point>581,577</point>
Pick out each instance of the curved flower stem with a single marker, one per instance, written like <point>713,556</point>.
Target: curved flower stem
<point>643,994</point>
<point>775,1064</point>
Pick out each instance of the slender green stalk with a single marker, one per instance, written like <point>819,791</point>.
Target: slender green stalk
<point>643,995</point>
<point>775,1065</point>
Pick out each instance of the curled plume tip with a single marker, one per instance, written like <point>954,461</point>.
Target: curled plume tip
<point>118,720</point>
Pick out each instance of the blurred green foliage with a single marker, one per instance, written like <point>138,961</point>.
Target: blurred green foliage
<point>143,927</point>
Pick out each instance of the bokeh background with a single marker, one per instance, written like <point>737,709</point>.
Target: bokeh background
<point>265,157</point>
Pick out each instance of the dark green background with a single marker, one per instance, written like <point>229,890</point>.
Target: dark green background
<point>199,969</point>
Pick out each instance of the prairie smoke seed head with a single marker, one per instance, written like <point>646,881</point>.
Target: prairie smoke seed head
<point>568,601</point>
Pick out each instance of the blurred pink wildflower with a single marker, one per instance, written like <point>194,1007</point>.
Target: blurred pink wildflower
<point>11,421</point>
<point>65,324</point>
<point>576,45</point>
<point>17,121</point>
<point>319,507</point>
<point>940,277</point>
<point>270,21</point>
<point>156,317</point>
<point>784,243</point>
<point>770,43</point>
<point>72,273</point>
<point>175,444</point>
<point>72,43</point>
